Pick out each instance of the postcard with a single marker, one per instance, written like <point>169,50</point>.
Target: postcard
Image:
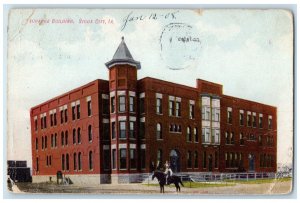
<point>150,101</point>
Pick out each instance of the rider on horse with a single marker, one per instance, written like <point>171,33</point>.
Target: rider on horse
<point>168,172</point>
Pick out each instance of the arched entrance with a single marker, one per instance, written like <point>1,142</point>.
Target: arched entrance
<point>175,161</point>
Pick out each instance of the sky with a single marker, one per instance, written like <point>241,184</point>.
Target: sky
<point>249,52</point>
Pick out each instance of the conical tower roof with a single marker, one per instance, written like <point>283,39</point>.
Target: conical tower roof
<point>123,56</point>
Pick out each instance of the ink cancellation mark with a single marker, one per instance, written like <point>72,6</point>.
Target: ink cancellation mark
<point>180,45</point>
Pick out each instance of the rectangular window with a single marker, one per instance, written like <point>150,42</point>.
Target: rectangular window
<point>192,111</point>
<point>249,120</point>
<point>158,105</point>
<point>89,106</point>
<point>216,159</point>
<point>51,119</point>
<point>229,115</point>
<point>42,123</point>
<point>131,104</point>
<point>113,104</point>
<point>132,129</point>
<point>142,105</point>
<point>78,111</point>
<point>114,159</point>
<point>106,156</point>
<point>143,158</point>
<point>105,106</point>
<point>123,159</point>
<point>55,119</point>
<point>35,125</point>
<point>132,159</point>
<point>36,143</point>
<point>106,131</point>
<point>196,135</point>
<point>122,131</point>
<point>260,122</point>
<point>178,109</point>
<point>241,118</point>
<point>122,103</point>
<point>66,115</point>
<point>171,108</point>
<point>205,113</point>
<point>73,113</point>
<point>142,130</point>
<point>254,121</point>
<point>241,139</point>
<point>270,123</point>
<point>61,116</point>
<point>113,130</point>
<point>45,121</point>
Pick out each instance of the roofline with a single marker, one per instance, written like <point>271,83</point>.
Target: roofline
<point>66,93</point>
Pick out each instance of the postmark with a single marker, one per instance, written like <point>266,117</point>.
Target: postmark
<point>180,45</point>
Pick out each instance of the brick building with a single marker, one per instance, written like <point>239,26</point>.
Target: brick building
<point>112,131</point>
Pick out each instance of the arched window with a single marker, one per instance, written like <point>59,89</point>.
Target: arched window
<point>91,160</point>
<point>158,131</point>
<point>67,162</point>
<point>189,159</point>
<point>159,155</point>
<point>79,161</point>
<point>55,140</point>
<point>74,136</point>
<point>46,142</point>
<point>66,138</point>
<point>75,161</point>
<point>78,136</point>
<point>63,162</point>
<point>90,133</point>
<point>62,138</point>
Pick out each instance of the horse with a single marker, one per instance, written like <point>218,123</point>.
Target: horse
<point>161,177</point>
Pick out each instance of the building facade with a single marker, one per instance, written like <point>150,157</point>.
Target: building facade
<point>116,130</point>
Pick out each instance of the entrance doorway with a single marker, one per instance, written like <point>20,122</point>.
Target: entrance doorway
<point>210,162</point>
<point>251,162</point>
<point>175,161</point>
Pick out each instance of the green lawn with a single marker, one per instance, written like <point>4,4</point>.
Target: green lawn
<point>258,181</point>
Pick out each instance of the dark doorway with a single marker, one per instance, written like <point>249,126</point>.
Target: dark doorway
<point>251,162</point>
<point>210,162</point>
<point>175,161</point>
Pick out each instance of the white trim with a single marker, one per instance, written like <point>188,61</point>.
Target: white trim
<point>132,118</point>
<point>143,146</point>
<point>89,98</point>
<point>254,114</point>
<point>142,95</point>
<point>122,118</point>
<point>131,93</point>
<point>171,98</point>
<point>241,111</point>
<point>45,114</point>
<point>178,99</point>
<point>65,106</point>
<point>122,146</point>
<point>54,110</point>
<point>72,104</point>
<point>192,102</point>
<point>113,120</point>
<point>142,119</point>
<point>41,115</point>
<point>121,93</point>
<point>50,112</point>
<point>270,117</point>
<point>61,108</point>
<point>35,117</point>
<point>248,112</point>
<point>229,108</point>
<point>132,146</point>
<point>113,146</point>
<point>159,95</point>
<point>120,63</point>
<point>105,96</point>
<point>112,94</point>
<point>77,102</point>
<point>260,115</point>
<point>105,120</point>
<point>105,147</point>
